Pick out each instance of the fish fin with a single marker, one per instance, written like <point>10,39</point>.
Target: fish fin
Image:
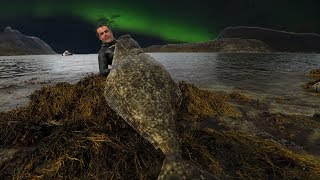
<point>176,168</point>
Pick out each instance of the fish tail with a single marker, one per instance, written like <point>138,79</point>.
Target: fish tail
<point>177,168</point>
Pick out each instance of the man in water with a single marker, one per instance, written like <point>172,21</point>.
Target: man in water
<point>105,54</point>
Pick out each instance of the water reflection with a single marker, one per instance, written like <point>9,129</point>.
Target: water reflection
<point>270,77</point>
<point>194,68</point>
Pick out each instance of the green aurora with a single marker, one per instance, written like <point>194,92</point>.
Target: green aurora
<point>175,21</point>
<point>146,20</point>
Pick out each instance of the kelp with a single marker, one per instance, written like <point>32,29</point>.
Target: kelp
<point>315,75</point>
<point>68,131</point>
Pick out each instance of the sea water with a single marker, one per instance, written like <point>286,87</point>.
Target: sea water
<point>266,77</point>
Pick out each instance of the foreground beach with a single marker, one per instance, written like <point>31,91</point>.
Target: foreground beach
<point>68,131</point>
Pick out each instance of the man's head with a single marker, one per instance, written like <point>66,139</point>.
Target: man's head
<point>104,33</point>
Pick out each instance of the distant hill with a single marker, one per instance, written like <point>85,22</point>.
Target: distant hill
<point>249,39</point>
<point>221,45</point>
<point>12,42</point>
<point>280,41</point>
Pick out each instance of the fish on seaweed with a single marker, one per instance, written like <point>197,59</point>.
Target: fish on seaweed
<point>142,92</point>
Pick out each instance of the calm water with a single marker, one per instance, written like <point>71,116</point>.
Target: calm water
<point>263,76</point>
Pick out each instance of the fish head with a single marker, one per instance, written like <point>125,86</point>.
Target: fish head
<point>126,45</point>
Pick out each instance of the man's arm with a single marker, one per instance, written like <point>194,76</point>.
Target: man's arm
<point>103,63</point>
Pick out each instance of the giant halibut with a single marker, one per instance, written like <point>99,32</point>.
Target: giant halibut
<point>142,92</point>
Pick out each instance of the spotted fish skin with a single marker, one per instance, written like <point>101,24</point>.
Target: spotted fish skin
<point>142,92</point>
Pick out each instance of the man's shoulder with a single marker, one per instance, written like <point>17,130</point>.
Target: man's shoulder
<point>101,52</point>
<point>102,48</point>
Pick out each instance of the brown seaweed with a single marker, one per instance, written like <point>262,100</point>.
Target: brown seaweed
<point>68,131</point>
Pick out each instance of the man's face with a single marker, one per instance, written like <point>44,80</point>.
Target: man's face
<point>105,34</point>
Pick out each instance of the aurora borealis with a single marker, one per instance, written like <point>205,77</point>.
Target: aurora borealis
<point>129,17</point>
<point>168,21</point>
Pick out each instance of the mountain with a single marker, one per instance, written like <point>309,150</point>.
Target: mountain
<point>249,39</point>
<point>221,45</point>
<point>12,42</point>
<point>280,41</point>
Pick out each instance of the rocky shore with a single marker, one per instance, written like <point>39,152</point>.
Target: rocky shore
<point>68,131</point>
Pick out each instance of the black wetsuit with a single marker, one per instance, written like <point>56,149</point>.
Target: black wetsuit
<point>105,57</point>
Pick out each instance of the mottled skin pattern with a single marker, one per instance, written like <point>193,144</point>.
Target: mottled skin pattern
<point>142,92</point>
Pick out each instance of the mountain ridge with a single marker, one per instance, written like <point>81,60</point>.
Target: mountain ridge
<point>13,42</point>
<point>249,39</point>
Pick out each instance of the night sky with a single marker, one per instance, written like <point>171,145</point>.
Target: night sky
<point>71,25</point>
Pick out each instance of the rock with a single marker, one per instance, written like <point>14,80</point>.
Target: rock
<point>12,42</point>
